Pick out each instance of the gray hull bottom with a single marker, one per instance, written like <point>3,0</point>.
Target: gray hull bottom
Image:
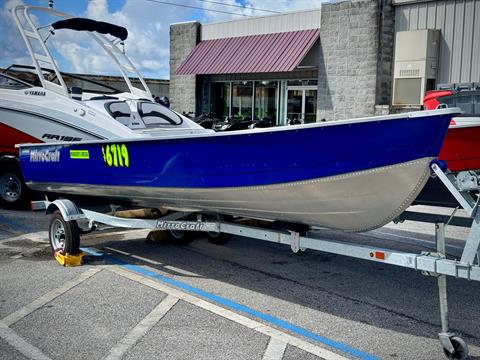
<point>356,201</point>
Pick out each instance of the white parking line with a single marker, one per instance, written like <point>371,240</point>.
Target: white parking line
<point>141,329</point>
<point>20,344</point>
<point>230,315</point>
<point>41,301</point>
<point>153,262</point>
<point>40,236</point>
<point>275,350</point>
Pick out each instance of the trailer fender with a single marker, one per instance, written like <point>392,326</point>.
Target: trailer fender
<point>67,208</point>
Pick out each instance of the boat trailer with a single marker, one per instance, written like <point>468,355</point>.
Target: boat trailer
<point>64,234</point>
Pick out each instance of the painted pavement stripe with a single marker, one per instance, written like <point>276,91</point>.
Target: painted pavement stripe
<point>275,350</point>
<point>142,328</point>
<point>20,344</point>
<point>242,308</point>
<point>228,314</point>
<point>41,301</point>
<point>15,224</point>
<point>40,237</point>
<point>153,262</point>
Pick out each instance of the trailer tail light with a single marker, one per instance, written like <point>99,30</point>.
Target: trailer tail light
<point>378,255</point>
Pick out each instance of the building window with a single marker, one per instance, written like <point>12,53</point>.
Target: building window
<point>281,101</point>
<point>266,94</point>
<point>242,99</point>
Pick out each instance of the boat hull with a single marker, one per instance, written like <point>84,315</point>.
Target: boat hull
<point>357,201</point>
<point>348,175</point>
<point>461,149</point>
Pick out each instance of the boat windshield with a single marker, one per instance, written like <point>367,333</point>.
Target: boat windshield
<point>153,115</point>
<point>9,82</point>
<point>468,101</point>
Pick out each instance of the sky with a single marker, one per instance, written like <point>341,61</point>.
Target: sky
<point>148,23</point>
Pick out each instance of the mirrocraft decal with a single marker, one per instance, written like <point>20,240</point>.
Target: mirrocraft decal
<point>45,155</point>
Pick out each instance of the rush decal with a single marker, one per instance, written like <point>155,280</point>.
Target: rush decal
<point>79,154</point>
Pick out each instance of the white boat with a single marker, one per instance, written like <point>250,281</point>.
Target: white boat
<point>49,111</point>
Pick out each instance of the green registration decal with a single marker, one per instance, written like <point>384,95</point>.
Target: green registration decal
<point>116,155</point>
<point>79,154</point>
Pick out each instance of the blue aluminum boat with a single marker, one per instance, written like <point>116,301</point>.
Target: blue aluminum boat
<point>351,175</point>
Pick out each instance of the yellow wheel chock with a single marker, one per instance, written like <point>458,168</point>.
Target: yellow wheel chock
<point>69,259</point>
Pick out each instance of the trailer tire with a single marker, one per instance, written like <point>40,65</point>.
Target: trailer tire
<point>218,238</point>
<point>64,235</point>
<point>460,351</point>
<point>14,194</point>
<point>180,237</point>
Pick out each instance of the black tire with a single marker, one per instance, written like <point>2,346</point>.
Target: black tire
<point>218,238</point>
<point>14,194</point>
<point>180,237</point>
<point>64,235</point>
<point>460,349</point>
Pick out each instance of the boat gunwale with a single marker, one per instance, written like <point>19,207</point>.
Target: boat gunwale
<point>414,114</point>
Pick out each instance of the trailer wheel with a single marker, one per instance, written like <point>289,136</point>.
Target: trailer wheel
<point>180,237</point>
<point>64,235</point>
<point>14,193</point>
<point>460,349</point>
<point>218,238</point>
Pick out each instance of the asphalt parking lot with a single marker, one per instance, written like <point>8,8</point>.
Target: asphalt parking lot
<point>247,299</point>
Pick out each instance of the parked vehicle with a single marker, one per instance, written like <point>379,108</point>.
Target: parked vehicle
<point>265,122</point>
<point>206,120</point>
<point>232,123</point>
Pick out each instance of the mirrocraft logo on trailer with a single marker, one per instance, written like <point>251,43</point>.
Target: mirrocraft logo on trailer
<point>45,155</point>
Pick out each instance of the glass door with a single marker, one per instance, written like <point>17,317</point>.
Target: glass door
<point>294,105</point>
<point>301,104</point>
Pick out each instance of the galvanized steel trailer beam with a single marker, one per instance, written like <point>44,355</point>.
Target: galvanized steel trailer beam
<point>426,262</point>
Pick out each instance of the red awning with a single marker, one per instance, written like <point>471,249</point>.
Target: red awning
<point>250,54</point>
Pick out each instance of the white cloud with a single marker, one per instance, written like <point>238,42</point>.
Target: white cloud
<point>12,48</point>
<point>148,25</point>
<point>254,7</point>
<point>147,44</point>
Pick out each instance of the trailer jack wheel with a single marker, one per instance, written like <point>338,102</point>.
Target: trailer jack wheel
<point>458,349</point>
<point>65,240</point>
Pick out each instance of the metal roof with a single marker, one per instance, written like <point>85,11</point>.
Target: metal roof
<point>278,52</point>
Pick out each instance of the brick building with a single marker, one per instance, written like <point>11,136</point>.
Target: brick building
<point>348,59</point>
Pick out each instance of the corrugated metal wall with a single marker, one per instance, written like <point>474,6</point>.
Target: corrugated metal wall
<point>300,20</point>
<point>459,22</point>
